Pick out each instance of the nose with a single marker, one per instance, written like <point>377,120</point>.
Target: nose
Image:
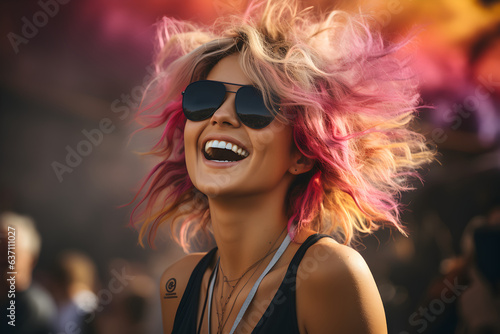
<point>226,114</point>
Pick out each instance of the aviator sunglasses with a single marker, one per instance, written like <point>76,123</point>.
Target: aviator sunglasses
<point>202,98</point>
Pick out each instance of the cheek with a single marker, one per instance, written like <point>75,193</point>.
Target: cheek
<point>191,134</point>
<point>189,130</point>
<point>275,143</point>
<point>276,136</point>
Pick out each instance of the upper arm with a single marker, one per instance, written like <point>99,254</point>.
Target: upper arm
<point>338,293</point>
<point>173,283</point>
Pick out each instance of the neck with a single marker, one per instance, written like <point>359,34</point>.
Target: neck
<point>245,230</point>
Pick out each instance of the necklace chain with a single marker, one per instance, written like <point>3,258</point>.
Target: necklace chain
<point>223,305</point>
<point>236,298</point>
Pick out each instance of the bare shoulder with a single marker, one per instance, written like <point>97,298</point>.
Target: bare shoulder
<point>173,283</point>
<point>334,261</point>
<point>336,291</point>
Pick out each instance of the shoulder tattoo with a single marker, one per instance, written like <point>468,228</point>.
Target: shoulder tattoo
<point>170,288</point>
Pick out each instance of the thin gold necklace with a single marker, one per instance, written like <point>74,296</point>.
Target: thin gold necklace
<point>223,305</point>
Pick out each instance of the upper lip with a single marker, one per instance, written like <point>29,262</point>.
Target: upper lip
<point>223,138</point>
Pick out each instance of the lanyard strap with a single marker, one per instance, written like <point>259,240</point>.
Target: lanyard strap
<point>253,291</point>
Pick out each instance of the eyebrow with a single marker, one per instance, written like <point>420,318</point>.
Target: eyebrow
<point>229,83</point>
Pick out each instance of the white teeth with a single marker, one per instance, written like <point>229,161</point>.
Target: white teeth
<point>223,145</point>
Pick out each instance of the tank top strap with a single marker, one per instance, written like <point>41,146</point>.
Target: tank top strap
<point>187,312</point>
<point>311,240</point>
<point>281,315</point>
<point>289,286</point>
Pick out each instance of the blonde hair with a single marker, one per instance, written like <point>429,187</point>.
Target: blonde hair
<point>349,100</point>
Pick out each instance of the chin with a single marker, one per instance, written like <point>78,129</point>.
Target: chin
<point>212,188</point>
<point>220,190</point>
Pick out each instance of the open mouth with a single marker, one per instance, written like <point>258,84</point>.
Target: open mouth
<point>222,151</point>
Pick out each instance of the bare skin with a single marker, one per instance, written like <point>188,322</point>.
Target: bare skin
<point>335,289</point>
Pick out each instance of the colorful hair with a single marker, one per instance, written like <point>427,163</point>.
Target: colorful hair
<point>348,98</point>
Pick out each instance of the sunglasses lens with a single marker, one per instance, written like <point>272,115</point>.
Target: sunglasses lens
<point>202,98</point>
<point>251,108</point>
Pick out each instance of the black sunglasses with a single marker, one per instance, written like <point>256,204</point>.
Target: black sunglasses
<point>202,98</point>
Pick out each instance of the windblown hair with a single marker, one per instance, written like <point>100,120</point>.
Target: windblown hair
<point>349,99</point>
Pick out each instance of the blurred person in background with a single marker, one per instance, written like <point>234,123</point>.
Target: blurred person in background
<point>34,308</point>
<point>479,305</point>
<point>127,312</point>
<point>465,297</point>
<point>73,282</point>
<point>281,128</point>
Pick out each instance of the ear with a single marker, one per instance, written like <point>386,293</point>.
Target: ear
<point>301,164</point>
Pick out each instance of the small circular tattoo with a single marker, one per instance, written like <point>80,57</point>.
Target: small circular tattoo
<point>170,286</point>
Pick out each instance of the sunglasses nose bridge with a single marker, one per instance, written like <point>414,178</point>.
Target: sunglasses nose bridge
<point>226,113</point>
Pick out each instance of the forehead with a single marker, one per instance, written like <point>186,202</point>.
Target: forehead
<point>228,69</point>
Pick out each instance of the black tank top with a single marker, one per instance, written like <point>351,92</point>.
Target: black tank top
<point>279,317</point>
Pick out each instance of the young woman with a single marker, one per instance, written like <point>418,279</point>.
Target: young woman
<point>279,125</point>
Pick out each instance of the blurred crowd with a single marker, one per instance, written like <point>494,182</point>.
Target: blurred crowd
<point>69,297</point>
<point>463,295</point>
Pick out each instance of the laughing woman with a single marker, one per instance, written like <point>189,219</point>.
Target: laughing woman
<point>285,136</point>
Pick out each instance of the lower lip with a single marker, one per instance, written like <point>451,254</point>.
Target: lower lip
<point>219,164</point>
